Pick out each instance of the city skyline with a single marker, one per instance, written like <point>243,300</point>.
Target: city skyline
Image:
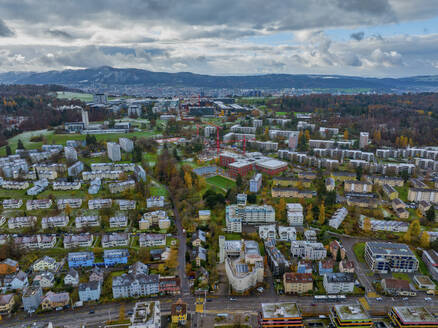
<point>378,38</point>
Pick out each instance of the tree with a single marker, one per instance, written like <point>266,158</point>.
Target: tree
<point>338,256</point>
<point>281,210</point>
<point>359,172</point>
<point>188,179</point>
<point>239,182</point>
<point>20,144</point>
<point>67,209</point>
<point>430,214</point>
<point>367,224</point>
<point>407,237</point>
<point>425,240</point>
<point>415,229</point>
<point>8,150</point>
<point>346,134</point>
<point>309,214</point>
<point>321,216</point>
<point>122,312</point>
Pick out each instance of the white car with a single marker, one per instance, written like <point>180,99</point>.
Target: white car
<point>428,299</point>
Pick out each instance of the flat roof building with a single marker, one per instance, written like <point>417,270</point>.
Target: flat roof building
<point>348,315</point>
<point>412,316</point>
<point>280,315</point>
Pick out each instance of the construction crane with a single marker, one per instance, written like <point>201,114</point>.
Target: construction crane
<point>218,142</point>
<point>244,143</point>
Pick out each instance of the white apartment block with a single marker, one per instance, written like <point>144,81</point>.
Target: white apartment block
<point>54,221</point>
<point>113,150</point>
<point>110,175</point>
<point>121,186</point>
<point>126,204</point>
<point>96,204</point>
<point>116,239</point>
<point>87,221</point>
<point>255,183</point>
<point>12,204</point>
<point>126,144</point>
<point>78,240</point>
<point>308,250</point>
<point>75,185</point>
<point>150,240</point>
<point>71,202</point>
<point>118,221</point>
<point>295,215</point>
<point>287,233</point>
<point>338,217</point>
<point>155,201</point>
<point>22,222</point>
<point>267,231</point>
<point>71,154</point>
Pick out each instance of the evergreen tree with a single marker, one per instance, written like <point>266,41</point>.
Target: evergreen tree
<point>20,144</point>
<point>430,214</point>
<point>8,150</point>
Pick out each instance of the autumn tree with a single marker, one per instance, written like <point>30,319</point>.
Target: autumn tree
<point>188,179</point>
<point>122,312</point>
<point>425,240</point>
<point>367,224</point>
<point>321,216</point>
<point>415,229</point>
<point>346,134</point>
<point>309,214</point>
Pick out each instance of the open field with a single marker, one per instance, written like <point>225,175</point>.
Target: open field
<point>74,95</point>
<point>221,182</point>
<point>359,251</point>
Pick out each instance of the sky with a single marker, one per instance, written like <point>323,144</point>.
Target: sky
<point>379,38</point>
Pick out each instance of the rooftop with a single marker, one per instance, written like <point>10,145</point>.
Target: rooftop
<point>351,312</point>
<point>394,249</point>
<point>415,314</point>
<point>280,310</point>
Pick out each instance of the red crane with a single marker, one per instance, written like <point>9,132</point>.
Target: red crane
<point>218,142</point>
<point>244,143</point>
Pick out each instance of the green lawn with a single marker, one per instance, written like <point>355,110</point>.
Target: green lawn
<point>157,189</point>
<point>403,192</point>
<point>75,95</point>
<point>221,182</point>
<point>281,113</point>
<point>401,275</point>
<point>359,251</point>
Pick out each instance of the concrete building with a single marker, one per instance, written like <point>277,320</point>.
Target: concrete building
<point>80,259</point>
<point>78,240</point>
<point>338,217</point>
<point>236,215</point>
<point>363,139</point>
<point>350,315</point>
<point>280,315</point>
<point>358,186</point>
<point>130,285</point>
<point>412,316</point>
<point>308,250</point>
<point>295,215</point>
<point>75,169</point>
<point>113,150</point>
<point>146,315</point>
<point>32,297</point>
<point>70,154</point>
<point>339,283</point>
<point>89,291</point>
<point>384,257</point>
<point>126,144</point>
<point>255,183</point>
<point>297,283</point>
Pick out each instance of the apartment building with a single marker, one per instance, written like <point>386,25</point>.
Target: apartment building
<point>385,257</point>
<point>120,221</point>
<point>339,283</point>
<point>121,186</point>
<point>113,151</point>
<point>36,241</point>
<point>87,221</point>
<point>95,204</point>
<point>20,222</point>
<point>297,283</point>
<point>78,240</point>
<point>75,185</point>
<point>358,186</point>
<point>295,215</point>
<point>71,202</point>
<point>308,250</point>
<point>38,204</point>
<point>115,239</point>
<point>59,221</point>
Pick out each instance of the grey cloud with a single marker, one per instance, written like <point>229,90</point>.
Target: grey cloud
<point>59,34</point>
<point>5,31</point>
<point>358,36</point>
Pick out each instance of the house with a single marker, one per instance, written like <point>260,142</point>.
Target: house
<point>89,291</point>
<point>198,238</point>
<point>310,235</point>
<point>45,263</point>
<point>338,217</point>
<point>115,256</point>
<point>44,279</point>
<point>390,192</point>
<point>17,281</point>
<point>397,287</point>
<point>87,221</point>
<point>199,255</point>
<point>304,267</point>
<point>178,313</point>
<point>7,303</point>
<point>115,239</point>
<point>325,266</point>
<point>297,283</point>
<point>8,266</point>
<point>22,222</point>
<point>149,240</point>
<point>31,298</point>
<point>424,206</point>
<point>71,278</point>
<point>346,266</point>
<point>70,202</point>
<point>80,259</point>
<point>128,285</point>
<point>335,247</point>
<point>204,215</point>
<point>55,300</point>
<point>54,222</point>
<point>339,283</point>
<point>330,184</point>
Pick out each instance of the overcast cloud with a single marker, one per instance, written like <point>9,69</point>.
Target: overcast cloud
<point>220,37</point>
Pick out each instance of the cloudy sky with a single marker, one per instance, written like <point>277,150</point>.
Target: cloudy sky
<point>348,37</point>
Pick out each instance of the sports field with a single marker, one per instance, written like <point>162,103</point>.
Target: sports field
<point>221,182</point>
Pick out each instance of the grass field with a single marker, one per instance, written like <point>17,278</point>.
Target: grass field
<point>74,95</point>
<point>281,113</point>
<point>221,182</point>
<point>359,250</point>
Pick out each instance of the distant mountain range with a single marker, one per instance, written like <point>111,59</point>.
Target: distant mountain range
<point>129,76</point>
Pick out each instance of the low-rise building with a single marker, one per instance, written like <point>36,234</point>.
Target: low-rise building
<point>95,204</point>
<point>140,285</point>
<point>297,283</point>
<point>71,278</point>
<point>54,222</point>
<point>397,287</point>
<point>46,263</point>
<point>358,186</point>
<point>150,240</point>
<point>78,240</point>
<point>155,201</point>
<point>308,250</point>
<point>31,299</point>
<point>339,283</point>
<point>70,202</point>
<point>65,185</point>
<point>424,282</point>
<point>412,316</point>
<point>346,266</point>
<point>430,258</point>
<point>325,266</point>
<point>390,191</point>
<point>20,222</point>
<point>126,204</point>
<point>7,303</point>
<point>80,259</point>
<point>178,313</point>
<point>12,204</point>
<point>276,260</point>
<point>55,300</point>
<point>89,291</point>
<point>338,217</point>
<point>120,221</point>
<point>121,186</point>
<point>277,315</point>
<point>115,256</point>
<point>44,279</point>
<point>36,241</point>
<point>87,221</point>
<point>115,239</point>
<point>350,315</point>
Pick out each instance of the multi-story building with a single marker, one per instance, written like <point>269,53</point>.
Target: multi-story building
<point>149,240</point>
<point>339,283</point>
<point>297,283</point>
<point>71,202</point>
<point>63,185</point>
<point>126,204</point>
<point>295,215</point>
<point>289,192</point>
<point>87,221</point>
<point>121,186</point>
<point>140,285</point>
<point>358,186</point>
<point>115,239</point>
<point>430,258</point>
<point>385,257</point>
<point>255,183</point>
<point>178,313</point>
<point>350,315</point>
<point>110,175</point>
<point>22,222</point>
<point>363,139</point>
<point>115,256</point>
<point>36,241</point>
<point>46,263</point>
<point>155,201</point>
<point>276,260</point>
<point>70,154</point>
<point>308,250</point>
<point>55,300</point>
<point>278,315</point>
<point>412,316</point>
<point>54,222</point>
<point>7,303</point>
<point>267,231</point>
<point>32,297</point>
<point>146,315</point>
<point>287,233</point>
<point>390,191</point>
<point>80,259</point>
<point>419,194</point>
<point>338,217</point>
<point>37,204</point>
<point>78,240</point>
<point>95,204</point>
<point>89,291</point>
<point>126,144</point>
<point>12,204</point>
<point>120,221</point>
<point>113,150</point>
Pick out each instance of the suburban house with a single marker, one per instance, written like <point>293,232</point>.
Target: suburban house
<point>7,303</point>
<point>55,300</point>
<point>297,283</point>
<point>71,278</point>
<point>80,259</point>
<point>89,291</point>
